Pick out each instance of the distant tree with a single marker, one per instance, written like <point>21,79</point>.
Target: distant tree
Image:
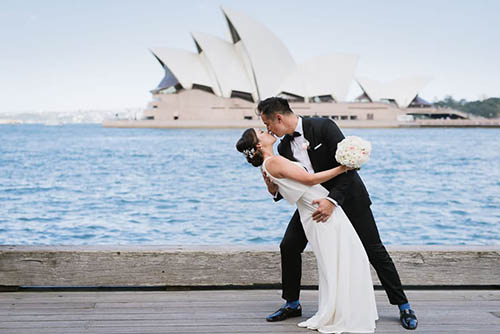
<point>489,108</point>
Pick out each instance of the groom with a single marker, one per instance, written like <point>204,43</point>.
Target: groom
<point>313,142</point>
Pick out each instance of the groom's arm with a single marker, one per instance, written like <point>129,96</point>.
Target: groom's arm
<point>333,135</point>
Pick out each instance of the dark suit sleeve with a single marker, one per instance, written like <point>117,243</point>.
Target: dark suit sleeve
<point>332,134</point>
<point>278,197</point>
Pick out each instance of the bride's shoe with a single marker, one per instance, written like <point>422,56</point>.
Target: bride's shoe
<point>304,324</point>
<point>307,324</point>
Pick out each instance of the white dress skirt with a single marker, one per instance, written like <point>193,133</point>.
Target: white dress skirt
<point>346,297</point>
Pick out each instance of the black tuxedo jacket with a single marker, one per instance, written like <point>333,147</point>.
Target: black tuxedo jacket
<point>323,136</point>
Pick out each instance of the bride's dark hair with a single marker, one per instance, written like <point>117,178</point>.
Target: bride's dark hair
<point>247,145</point>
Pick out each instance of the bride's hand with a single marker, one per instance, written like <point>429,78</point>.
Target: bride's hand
<point>271,187</point>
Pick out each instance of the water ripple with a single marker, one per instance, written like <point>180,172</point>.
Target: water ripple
<point>83,184</point>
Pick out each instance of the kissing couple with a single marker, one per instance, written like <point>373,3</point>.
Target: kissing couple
<point>333,214</point>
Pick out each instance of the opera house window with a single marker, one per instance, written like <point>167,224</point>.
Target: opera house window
<point>203,88</point>
<point>322,99</point>
<point>344,117</point>
<point>369,117</point>
<point>354,117</point>
<point>291,97</point>
<point>170,90</point>
<point>335,117</point>
<point>248,117</point>
<point>242,95</point>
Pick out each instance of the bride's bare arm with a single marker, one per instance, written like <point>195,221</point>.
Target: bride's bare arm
<point>284,168</point>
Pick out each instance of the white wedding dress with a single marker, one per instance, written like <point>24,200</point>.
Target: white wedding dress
<point>346,296</point>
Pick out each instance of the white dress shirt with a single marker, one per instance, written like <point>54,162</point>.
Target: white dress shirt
<point>299,146</point>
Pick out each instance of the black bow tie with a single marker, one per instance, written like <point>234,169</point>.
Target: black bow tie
<point>295,134</point>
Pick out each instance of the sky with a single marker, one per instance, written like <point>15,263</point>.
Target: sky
<point>94,55</point>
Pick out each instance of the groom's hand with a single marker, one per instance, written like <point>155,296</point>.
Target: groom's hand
<point>271,187</point>
<point>324,210</point>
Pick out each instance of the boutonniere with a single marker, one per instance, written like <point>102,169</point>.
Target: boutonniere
<point>305,145</point>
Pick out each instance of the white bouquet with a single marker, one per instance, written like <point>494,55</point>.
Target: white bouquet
<point>353,152</point>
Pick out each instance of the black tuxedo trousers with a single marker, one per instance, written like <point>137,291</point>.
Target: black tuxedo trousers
<point>294,242</point>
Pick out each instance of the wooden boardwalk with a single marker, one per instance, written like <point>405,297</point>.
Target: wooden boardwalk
<point>225,311</point>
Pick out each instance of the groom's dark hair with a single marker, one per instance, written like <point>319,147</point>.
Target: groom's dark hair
<point>272,106</point>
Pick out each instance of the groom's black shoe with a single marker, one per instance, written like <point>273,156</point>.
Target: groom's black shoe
<point>408,319</point>
<point>285,313</point>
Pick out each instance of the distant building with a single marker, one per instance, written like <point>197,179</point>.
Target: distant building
<point>222,81</point>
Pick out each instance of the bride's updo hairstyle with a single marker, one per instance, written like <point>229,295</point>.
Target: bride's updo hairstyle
<point>247,145</point>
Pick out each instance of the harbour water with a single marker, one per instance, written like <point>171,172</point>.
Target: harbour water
<point>84,184</point>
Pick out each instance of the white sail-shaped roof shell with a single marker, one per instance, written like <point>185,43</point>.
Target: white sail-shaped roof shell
<point>373,89</point>
<point>258,63</point>
<point>228,66</point>
<point>402,90</point>
<point>406,89</point>
<point>324,75</point>
<point>188,67</point>
<point>270,60</point>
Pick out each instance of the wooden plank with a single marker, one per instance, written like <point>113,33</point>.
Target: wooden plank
<point>456,316</point>
<point>225,266</point>
<point>439,312</point>
<point>228,296</point>
<point>156,330</point>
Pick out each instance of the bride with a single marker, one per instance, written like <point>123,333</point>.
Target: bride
<point>346,296</point>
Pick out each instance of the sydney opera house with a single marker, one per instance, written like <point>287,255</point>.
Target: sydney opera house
<point>220,82</point>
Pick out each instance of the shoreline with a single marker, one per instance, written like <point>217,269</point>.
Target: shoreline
<point>148,124</point>
<point>189,124</point>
